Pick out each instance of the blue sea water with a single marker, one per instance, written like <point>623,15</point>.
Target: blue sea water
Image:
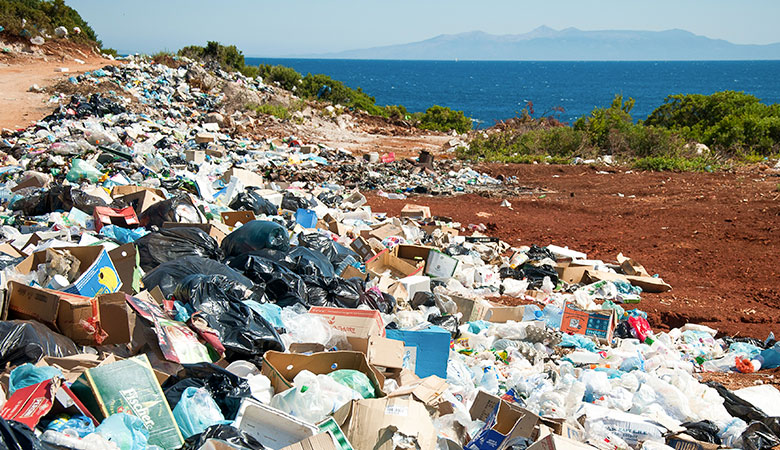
<point>494,90</point>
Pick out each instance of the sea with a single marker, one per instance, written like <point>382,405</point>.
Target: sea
<point>489,91</point>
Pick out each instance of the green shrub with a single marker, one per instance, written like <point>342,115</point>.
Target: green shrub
<point>561,144</point>
<point>227,56</point>
<point>441,118</point>
<point>43,15</point>
<point>323,87</point>
<point>278,111</point>
<point>604,121</point>
<point>397,112</point>
<point>676,164</point>
<point>286,77</point>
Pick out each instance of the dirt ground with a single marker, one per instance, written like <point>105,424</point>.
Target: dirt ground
<point>713,237</point>
<point>18,72</point>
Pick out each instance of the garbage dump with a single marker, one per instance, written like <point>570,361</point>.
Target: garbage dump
<point>169,284</point>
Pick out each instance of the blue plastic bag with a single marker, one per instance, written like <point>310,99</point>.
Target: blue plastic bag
<point>123,235</point>
<point>126,431</point>
<point>79,423</point>
<point>28,375</point>
<point>196,411</point>
<point>577,341</point>
<point>771,357</point>
<point>270,312</point>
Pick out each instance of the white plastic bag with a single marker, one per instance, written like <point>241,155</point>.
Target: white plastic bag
<point>313,397</point>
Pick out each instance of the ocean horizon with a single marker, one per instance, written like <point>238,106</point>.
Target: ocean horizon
<point>489,91</point>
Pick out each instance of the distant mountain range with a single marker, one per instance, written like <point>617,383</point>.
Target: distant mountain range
<point>571,44</point>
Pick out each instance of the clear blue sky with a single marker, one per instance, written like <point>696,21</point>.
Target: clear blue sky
<point>289,27</point>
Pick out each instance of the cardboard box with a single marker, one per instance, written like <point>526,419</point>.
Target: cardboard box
<point>682,441</point>
<point>379,351</point>
<point>274,428</point>
<point>322,441</point>
<point>281,368</point>
<point>117,319</point>
<point>484,405</point>
<point>372,423</point>
<point>413,254</point>
<point>384,231</point>
<point>362,248</point>
<point>502,425</point>
<point>429,229</point>
<point>217,231</point>
<point>471,310</point>
<point>360,323</point>
<point>440,265</point>
<point>126,260</point>
<point>600,324</point>
<point>30,404</point>
<point>555,442</point>
<point>416,211</point>
<point>96,275</point>
<point>385,261</point>
<point>130,386</point>
<point>331,427</point>
<point>429,391</point>
<point>247,177</point>
<point>231,218</point>
<point>572,274</point>
<point>140,201</point>
<point>120,191</point>
<point>125,217</point>
<point>426,351</point>
<point>195,156</point>
<point>648,284</point>
<point>352,272</point>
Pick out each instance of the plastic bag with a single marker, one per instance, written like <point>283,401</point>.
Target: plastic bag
<point>174,243</point>
<point>24,341</point>
<point>335,252</point>
<point>228,390</point>
<point>80,424</point>
<point>758,436</point>
<point>37,202</point>
<point>355,380</point>
<point>251,201</point>
<point>126,431</point>
<point>292,202</point>
<point>123,235</point>
<point>313,397</point>
<point>82,170</point>
<point>218,300</point>
<point>256,235</point>
<point>18,436</point>
<point>28,375</point>
<point>196,411</point>
<point>448,322</point>
<point>705,431</point>
<point>282,285</point>
<point>177,209</point>
<point>168,275</point>
<point>223,433</point>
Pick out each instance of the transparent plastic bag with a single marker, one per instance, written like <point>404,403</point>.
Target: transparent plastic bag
<point>196,411</point>
<point>28,375</point>
<point>313,397</point>
<point>82,170</point>
<point>355,380</point>
<point>124,430</point>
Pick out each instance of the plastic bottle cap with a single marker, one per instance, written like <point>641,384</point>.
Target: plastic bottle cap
<point>58,282</point>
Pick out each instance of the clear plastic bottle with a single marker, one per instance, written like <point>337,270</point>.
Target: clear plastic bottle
<point>552,316</point>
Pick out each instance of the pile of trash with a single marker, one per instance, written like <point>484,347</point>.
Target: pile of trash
<point>165,288</point>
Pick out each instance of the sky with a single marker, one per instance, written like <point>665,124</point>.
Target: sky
<point>305,27</point>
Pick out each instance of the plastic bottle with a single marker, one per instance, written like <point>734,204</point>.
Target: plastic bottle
<point>532,312</point>
<point>552,316</point>
<point>81,169</point>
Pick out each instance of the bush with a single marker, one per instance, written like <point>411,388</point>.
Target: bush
<point>323,87</point>
<point>44,16</point>
<point>676,164</point>
<point>440,118</point>
<point>286,77</point>
<point>278,111</point>
<point>397,112</point>
<point>227,56</point>
<point>561,144</point>
<point>603,122</point>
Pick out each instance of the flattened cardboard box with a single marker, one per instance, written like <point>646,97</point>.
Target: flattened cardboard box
<point>119,191</point>
<point>97,273</point>
<point>683,441</point>
<point>398,268</point>
<point>555,442</point>
<point>372,423</point>
<point>600,324</point>
<point>322,441</point>
<point>281,368</point>
<point>231,218</point>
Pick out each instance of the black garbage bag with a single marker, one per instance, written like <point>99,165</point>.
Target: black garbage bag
<point>534,274</point>
<point>705,431</point>
<point>335,252</point>
<point>256,235</point>
<point>306,261</point>
<point>282,286</point>
<point>175,209</point>
<point>346,293</point>
<point>252,201</point>
<point>536,253</point>
<point>292,202</point>
<point>758,436</point>
<point>18,436</point>
<point>23,341</point>
<point>218,300</point>
<point>448,322</point>
<point>37,202</point>
<point>423,298</point>
<point>227,389</point>
<point>85,202</point>
<point>623,330</point>
<point>384,303</point>
<point>168,275</point>
<point>224,433</point>
<point>170,244</point>
<point>736,406</point>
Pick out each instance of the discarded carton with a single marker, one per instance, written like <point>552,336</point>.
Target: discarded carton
<point>30,404</point>
<point>600,324</point>
<point>247,177</point>
<point>380,424</point>
<point>204,138</point>
<point>471,310</point>
<point>429,229</point>
<point>274,428</point>
<point>195,156</point>
<point>383,232</point>
<point>232,218</point>
<point>125,217</point>
<point>360,323</point>
<point>648,284</point>
<point>120,191</point>
<point>352,272</point>
<point>682,441</point>
<point>502,425</point>
<point>126,259</point>
<point>281,368</point>
<point>362,248</point>
<point>440,265</point>
<point>96,275</point>
<point>385,261</point>
<point>429,391</point>
<point>322,441</point>
<point>140,201</point>
<point>130,386</point>
<point>426,351</point>
<point>413,254</point>
<point>416,211</point>
<point>555,442</point>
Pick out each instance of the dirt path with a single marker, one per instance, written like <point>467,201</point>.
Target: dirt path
<point>18,106</point>
<point>714,237</point>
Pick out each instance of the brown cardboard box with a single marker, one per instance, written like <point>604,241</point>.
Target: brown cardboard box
<point>398,268</point>
<point>572,274</point>
<point>383,232</point>
<point>195,156</point>
<point>416,211</point>
<point>471,310</point>
<point>599,324</point>
<point>232,218</point>
<point>648,284</point>
<point>281,368</point>
<point>119,191</point>
<point>428,390</point>
<point>126,260</point>
<point>682,441</point>
<point>117,318</point>
<point>413,254</point>
<point>247,177</point>
<point>502,424</point>
<point>372,423</point>
<point>322,441</point>
<point>429,229</point>
<point>217,231</point>
<point>362,248</point>
<point>379,351</point>
<point>352,272</point>
<point>141,200</point>
<point>555,442</point>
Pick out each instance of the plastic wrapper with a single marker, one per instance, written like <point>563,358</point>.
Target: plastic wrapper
<point>335,252</point>
<point>123,235</point>
<point>126,431</point>
<point>28,375</point>
<point>79,423</point>
<point>251,201</point>
<point>313,397</point>
<point>175,243</point>
<point>223,433</point>
<point>448,322</point>
<point>302,327</point>
<point>282,286</point>
<point>168,275</point>
<point>24,341</point>
<point>218,300</point>
<point>18,436</point>
<point>177,209</point>
<point>355,380</point>
<point>256,235</point>
<point>83,170</point>
<point>292,202</point>
<point>196,411</point>
<point>227,389</point>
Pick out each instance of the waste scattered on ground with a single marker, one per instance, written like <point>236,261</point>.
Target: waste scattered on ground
<point>170,284</point>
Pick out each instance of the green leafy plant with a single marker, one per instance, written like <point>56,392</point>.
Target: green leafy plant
<point>441,118</point>
<point>29,18</point>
